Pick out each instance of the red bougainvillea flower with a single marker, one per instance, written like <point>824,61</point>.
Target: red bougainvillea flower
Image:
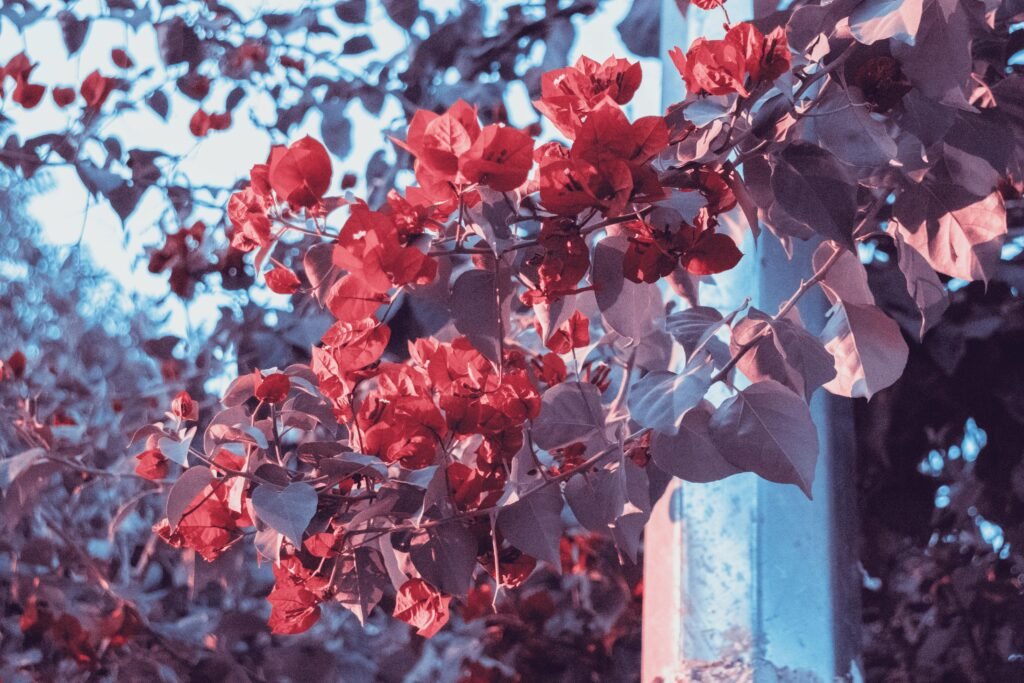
<point>274,388</point>
<point>574,333</point>
<point>708,4</point>
<point>121,58</point>
<point>551,369</point>
<point>765,57</point>
<point>300,174</point>
<point>247,211</point>
<point>882,82</point>
<point>199,124</point>
<point>370,249</point>
<point>712,67</point>
<point>210,524</point>
<point>184,408</point>
<point>453,148</point>
<point>95,89</point>
<point>28,94</point>
<point>152,465</point>
<point>296,597</point>
<point>282,280</point>
<point>202,123</point>
<point>420,605</point>
<point>353,346</point>
<point>14,365</point>
<point>568,95</point>
<point>664,239</point>
<point>62,97</point>
<point>710,253</point>
<point>20,68</point>
<point>563,263</point>
<point>721,67</point>
<point>607,165</point>
<point>500,158</point>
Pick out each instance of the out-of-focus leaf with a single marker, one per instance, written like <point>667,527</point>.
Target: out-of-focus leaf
<point>336,129</point>
<point>73,29</point>
<point>637,29</point>
<point>357,45</point>
<point>875,20</point>
<point>351,11</point>
<point>178,42</point>
<point>403,12</point>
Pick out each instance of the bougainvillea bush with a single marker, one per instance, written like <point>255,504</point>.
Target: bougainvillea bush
<point>510,335</point>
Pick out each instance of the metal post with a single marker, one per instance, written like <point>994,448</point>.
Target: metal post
<point>745,579</point>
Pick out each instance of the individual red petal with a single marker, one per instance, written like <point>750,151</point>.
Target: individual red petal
<point>16,363</point>
<point>28,94</point>
<point>274,388</point>
<point>152,465</point>
<point>199,124</point>
<point>325,544</point>
<point>294,609</point>
<point>446,138</point>
<point>552,368</point>
<point>354,345</point>
<point>301,173</point>
<point>18,67</point>
<point>184,408</point>
<point>121,58</point>
<point>712,253</point>
<point>351,299</point>
<point>220,121</point>
<point>63,96</point>
<point>282,280</point>
<point>292,63</point>
<point>574,333</point>
<point>420,605</point>
<point>95,89</point>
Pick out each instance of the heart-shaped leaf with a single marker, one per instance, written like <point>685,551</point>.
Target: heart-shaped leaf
<point>661,399</point>
<point>185,490</point>
<point>767,429</point>
<point>286,510</point>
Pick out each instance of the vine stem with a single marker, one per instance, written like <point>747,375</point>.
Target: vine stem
<point>494,509</point>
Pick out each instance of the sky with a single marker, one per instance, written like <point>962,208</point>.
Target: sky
<point>69,217</point>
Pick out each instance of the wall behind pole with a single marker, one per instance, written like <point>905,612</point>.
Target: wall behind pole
<point>744,578</point>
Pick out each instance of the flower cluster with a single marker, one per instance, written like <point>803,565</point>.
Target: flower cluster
<point>393,451</point>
